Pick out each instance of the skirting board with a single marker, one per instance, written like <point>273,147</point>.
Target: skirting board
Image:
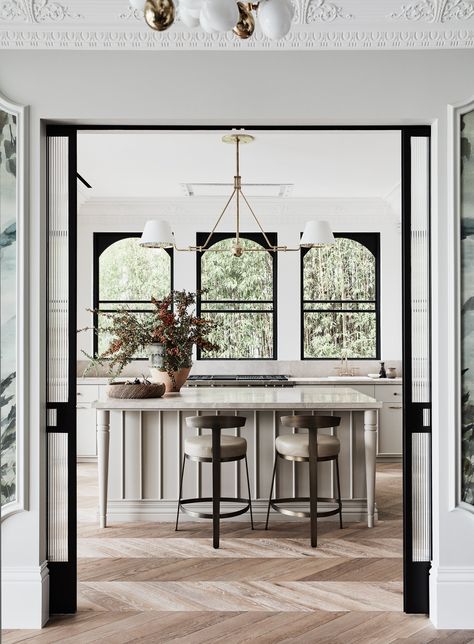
<point>353,510</point>
<point>25,596</point>
<point>451,597</point>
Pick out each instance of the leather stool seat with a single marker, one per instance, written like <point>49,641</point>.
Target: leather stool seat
<point>298,445</point>
<point>201,446</point>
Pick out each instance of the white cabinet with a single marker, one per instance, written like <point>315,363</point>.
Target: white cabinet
<point>86,423</point>
<point>390,442</point>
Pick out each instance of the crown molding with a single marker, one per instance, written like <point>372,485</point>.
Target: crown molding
<point>318,25</point>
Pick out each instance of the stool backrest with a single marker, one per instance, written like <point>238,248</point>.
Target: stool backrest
<point>310,422</point>
<point>215,422</point>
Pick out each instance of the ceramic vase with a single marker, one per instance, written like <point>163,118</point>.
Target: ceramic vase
<point>174,381</point>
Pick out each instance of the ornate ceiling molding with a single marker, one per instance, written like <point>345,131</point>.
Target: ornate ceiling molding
<point>35,11</point>
<point>440,11</point>
<point>318,25</point>
<point>323,11</point>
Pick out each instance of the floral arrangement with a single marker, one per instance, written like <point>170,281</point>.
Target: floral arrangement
<point>173,324</point>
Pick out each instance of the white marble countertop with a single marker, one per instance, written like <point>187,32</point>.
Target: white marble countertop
<point>288,398</point>
<point>322,380</point>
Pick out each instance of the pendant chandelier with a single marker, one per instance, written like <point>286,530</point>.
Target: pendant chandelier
<point>158,234</point>
<point>214,16</point>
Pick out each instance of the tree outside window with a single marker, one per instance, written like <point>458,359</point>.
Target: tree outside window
<point>239,293</point>
<point>127,275</point>
<point>340,298</point>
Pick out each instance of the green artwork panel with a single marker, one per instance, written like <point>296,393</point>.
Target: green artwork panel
<point>467,304</point>
<point>8,270</point>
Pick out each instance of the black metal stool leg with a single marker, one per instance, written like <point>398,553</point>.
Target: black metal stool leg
<point>271,490</point>
<point>180,494</point>
<point>313,486</point>
<point>339,492</point>
<point>216,485</point>
<point>248,488</point>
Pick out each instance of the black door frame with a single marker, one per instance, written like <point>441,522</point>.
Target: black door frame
<point>63,576</point>
<point>415,573</point>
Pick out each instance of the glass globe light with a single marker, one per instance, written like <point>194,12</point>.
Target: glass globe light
<point>192,7</point>
<point>221,15</point>
<point>204,21</point>
<point>188,19</point>
<point>274,18</point>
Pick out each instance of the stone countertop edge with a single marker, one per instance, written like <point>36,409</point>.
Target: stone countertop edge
<point>328,381</point>
<point>287,398</point>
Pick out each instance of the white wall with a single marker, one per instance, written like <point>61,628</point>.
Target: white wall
<point>287,220</point>
<point>278,88</point>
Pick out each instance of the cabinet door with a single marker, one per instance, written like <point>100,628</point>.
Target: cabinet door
<point>86,432</point>
<point>390,429</point>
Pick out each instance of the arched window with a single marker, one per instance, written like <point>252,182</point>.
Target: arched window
<point>340,302</point>
<point>128,276</point>
<point>239,293</point>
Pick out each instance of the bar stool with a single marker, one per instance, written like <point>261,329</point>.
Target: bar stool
<point>214,448</point>
<point>310,448</point>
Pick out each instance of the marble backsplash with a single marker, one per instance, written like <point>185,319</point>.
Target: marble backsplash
<point>297,368</point>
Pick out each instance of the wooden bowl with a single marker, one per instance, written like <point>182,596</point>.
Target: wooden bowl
<point>123,390</point>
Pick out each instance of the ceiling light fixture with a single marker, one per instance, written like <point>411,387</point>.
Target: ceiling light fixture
<point>158,234</point>
<point>213,16</point>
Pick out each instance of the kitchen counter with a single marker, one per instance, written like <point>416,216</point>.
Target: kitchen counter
<point>322,380</point>
<point>346,380</point>
<point>297,397</point>
<point>147,437</point>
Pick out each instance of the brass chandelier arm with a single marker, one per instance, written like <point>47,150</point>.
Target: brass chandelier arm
<point>256,219</point>
<point>220,217</point>
<point>238,193</point>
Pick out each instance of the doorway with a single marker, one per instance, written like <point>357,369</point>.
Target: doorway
<point>62,353</point>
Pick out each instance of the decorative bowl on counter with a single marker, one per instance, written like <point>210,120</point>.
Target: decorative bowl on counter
<point>374,376</point>
<point>130,390</point>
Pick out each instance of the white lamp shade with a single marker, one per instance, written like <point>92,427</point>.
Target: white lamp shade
<point>316,233</point>
<point>138,4</point>
<point>221,15</point>
<point>157,234</point>
<point>274,18</point>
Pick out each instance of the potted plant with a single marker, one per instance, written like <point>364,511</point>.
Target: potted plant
<point>168,335</point>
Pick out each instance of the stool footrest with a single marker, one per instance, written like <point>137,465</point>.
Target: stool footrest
<point>208,499</point>
<point>275,504</point>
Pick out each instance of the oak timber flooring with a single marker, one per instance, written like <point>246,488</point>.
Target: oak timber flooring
<point>143,582</point>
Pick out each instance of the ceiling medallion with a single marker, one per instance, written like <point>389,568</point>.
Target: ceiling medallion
<point>218,16</point>
<point>158,234</point>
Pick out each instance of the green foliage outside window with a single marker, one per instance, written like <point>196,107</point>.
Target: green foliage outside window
<point>244,288</point>
<point>129,275</point>
<point>339,293</point>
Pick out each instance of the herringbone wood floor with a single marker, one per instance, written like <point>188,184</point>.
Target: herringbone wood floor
<point>146,583</point>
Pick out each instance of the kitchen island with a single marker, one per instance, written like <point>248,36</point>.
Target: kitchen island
<point>140,446</point>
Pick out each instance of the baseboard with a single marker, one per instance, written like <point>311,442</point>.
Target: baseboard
<point>353,510</point>
<point>451,597</point>
<point>25,596</point>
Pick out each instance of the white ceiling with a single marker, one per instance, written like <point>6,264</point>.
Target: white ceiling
<point>297,164</point>
<point>318,25</point>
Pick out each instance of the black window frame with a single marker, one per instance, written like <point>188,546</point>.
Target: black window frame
<point>102,241</point>
<point>371,240</point>
<point>259,239</point>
